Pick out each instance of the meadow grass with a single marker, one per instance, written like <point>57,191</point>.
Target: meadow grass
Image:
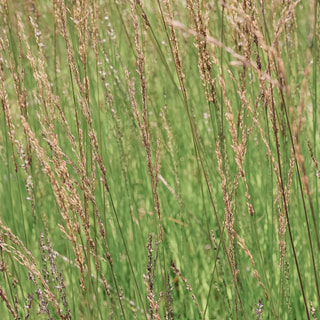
<point>159,159</point>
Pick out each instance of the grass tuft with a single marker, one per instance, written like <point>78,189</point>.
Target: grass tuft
<point>159,159</point>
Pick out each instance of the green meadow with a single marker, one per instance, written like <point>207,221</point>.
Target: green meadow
<point>159,159</point>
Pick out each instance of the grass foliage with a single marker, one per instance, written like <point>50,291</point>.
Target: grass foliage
<point>159,159</point>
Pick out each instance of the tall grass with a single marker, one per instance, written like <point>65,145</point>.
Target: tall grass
<point>159,159</point>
